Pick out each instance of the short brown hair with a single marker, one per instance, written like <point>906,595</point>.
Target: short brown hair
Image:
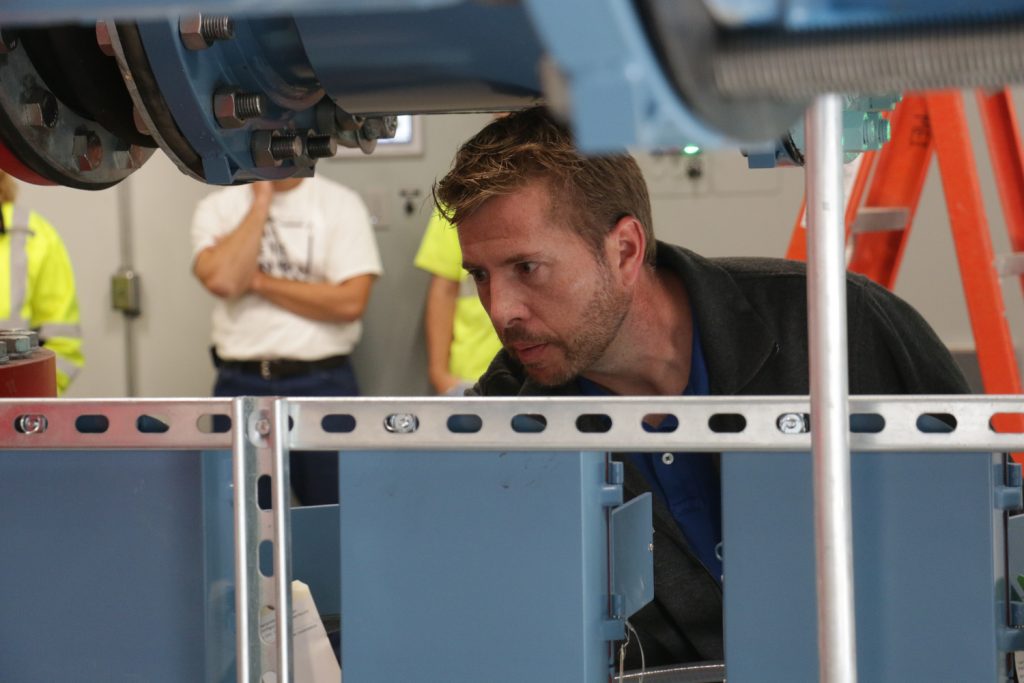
<point>531,145</point>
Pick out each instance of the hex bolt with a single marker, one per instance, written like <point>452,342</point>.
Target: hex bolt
<point>793,423</point>
<point>876,131</point>
<point>17,344</point>
<point>198,32</point>
<point>126,159</point>
<point>33,336</point>
<point>263,427</point>
<point>321,146</point>
<point>269,148</point>
<point>232,108</point>
<point>379,127</point>
<point>87,151</point>
<point>31,424</point>
<point>42,110</point>
<point>103,38</point>
<point>401,423</point>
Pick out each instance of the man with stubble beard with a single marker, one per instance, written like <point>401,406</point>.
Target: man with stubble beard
<point>586,302</point>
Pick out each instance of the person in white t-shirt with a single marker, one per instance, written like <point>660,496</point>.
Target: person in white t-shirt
<point>292,263</point>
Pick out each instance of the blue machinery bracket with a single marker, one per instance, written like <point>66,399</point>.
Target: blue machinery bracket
<point>925,572</point>
<point>488,566</point>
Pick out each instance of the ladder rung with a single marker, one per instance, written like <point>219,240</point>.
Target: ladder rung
<point>881,219</point>
<point>1008,265</point>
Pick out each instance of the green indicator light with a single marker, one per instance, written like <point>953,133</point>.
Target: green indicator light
<point>690,150</point>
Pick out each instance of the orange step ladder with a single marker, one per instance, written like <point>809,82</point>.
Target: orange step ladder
<point>884,198</point>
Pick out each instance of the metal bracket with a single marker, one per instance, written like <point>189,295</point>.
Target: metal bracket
<point>1011,639</point>
<point>259,450</point>
<point>632,556</point>
<point>1009,496</point>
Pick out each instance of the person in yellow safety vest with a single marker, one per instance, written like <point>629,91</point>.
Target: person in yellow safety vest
<point>461,342</point>
<point>37,285</point>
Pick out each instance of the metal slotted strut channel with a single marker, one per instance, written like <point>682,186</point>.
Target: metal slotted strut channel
<point>125,423</point>
<point>259,450</point>
<point>760,430</point>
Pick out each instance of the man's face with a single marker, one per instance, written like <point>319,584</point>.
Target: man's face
<point>555,305</point>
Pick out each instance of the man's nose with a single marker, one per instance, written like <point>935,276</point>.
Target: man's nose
<point>506,306</point>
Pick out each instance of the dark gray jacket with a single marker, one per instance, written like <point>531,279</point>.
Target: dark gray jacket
<point>751,314</point>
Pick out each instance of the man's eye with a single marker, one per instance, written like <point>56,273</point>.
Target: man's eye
<point>478,275</point>
<point>526,267</point>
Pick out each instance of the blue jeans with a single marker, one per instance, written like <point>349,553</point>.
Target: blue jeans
<point>314,474</point>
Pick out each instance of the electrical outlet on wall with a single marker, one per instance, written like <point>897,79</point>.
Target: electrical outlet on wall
<point>410,200</point>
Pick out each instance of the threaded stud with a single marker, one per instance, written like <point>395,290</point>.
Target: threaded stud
<point>217,28</point>
<point>249,105</point>
<point>285,147</point>
<point>321,146</point>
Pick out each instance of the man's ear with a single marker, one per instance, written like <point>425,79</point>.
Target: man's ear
<point>625,246</point>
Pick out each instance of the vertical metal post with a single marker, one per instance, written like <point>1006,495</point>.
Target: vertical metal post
<point>830,442</point>
<point>281,497</point>
<point>245,473</point>
<point>260,427</point>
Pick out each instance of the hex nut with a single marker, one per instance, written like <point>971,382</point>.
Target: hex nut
<point>131,158</point>
<point>87,151</point>
<point>261,144</point>
<point>190,28</point>
<point>225,109</point>
<point>232,108</point>
<point>42,110</point>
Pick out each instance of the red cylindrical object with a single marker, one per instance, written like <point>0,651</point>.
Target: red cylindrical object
<point>31,377</point>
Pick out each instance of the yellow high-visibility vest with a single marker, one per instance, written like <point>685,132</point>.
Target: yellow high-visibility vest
<point>37,288</point>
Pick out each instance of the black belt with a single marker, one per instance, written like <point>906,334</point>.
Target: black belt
<point>279,368</point>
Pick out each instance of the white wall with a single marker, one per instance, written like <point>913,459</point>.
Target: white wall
<point>728,211</point>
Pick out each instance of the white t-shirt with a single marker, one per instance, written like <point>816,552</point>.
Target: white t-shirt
<point>317,232</point>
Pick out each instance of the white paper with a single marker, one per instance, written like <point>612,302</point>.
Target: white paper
<point>312,654</point>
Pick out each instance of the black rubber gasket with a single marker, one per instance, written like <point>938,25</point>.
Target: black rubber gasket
<point>156,105</point>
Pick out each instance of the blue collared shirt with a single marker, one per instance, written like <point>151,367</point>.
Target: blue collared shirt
<point>688,483</point>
